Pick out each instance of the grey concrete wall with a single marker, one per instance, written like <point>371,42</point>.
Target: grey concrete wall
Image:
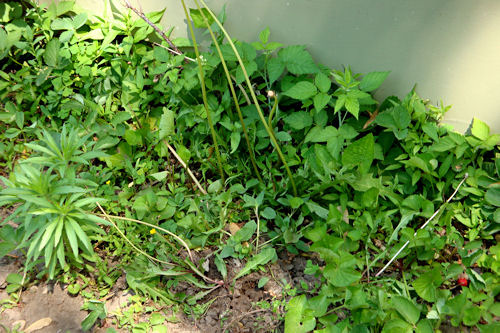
<point>449,48</point>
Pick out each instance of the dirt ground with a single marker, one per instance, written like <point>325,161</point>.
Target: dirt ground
<point>49,308</point>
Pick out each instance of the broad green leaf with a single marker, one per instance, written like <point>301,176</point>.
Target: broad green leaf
<point>322,82</point>
<point>480,129</point>
<point>492,196</point>
<point>133,137</point>
<point>79,20</point>
<point>62,24</point>
<point>406,309</point>
<point>424,326</point>
<point>235,141</point>
<point>302,90</point>
<point>298,318</point>
<point>275,68</point>
<point>427,284</point>
<point>373,80</point>
<point>341,276</point>
<point>246,232</point>
<point>199,17</point>
<point>266,255</point>
<point>298,120</point>
<point>297,60</point>
<point>268,213</point>
<point>51,54</point>
<point>64,6</point>
<point>321,100</point>
<point>318,134</point>
<point>160,176</point>
<point>359,152</point>
<point>352,106</point>
<point>167,126</point>
<point>397,326</point>
<point>472,315</point>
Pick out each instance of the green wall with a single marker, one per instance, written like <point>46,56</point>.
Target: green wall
<point>451,48</point>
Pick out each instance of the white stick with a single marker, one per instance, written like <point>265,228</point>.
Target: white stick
<point>423,226</point>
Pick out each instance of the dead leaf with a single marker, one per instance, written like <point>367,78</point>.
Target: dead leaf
<point>233,228</point>
<point>39,324</point>
<point>372,118</point>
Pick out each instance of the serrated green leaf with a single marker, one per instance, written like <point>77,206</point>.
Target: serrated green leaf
<point>359,152</point>
<point>373,80</point>
<point>298,120</point>
<point>321,100</point>
<point>297,60</point>
<point>51,54</point>
<point>301,90</point>
<point>275,68</point>
<point>322,82</point>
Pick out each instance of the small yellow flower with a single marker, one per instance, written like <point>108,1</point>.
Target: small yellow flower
<point>108,182</point>
<point>152,231</point>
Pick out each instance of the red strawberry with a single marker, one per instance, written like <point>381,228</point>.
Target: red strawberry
<point>463,282</point>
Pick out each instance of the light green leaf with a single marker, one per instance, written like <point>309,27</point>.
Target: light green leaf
<point>275,68</point>
<point>159,176</point>
<point>359,152</point>
<point>406,309</point>
<point>235,141</point>
<point>133,138</point>
<point>302,90</point>
<point>298,318</point>
<point>264,35</point>
<point>322,82</point>
<point>197,16</point>
<point>373,80</point>
<point>297,60</point>
<point>167,125</point>
<point>51,54</point>
<point>318,134</point>
<point>480,129</point>
<point>299,120</point>
<point>321,100</point>
<point>352,105</point>
<point>79,20</point>
<point>492,196</point>
<point>341,276</point>
<point>266,255</point>
<point>397,326</point>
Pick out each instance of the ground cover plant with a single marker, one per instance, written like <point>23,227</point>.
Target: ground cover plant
<point>176,160</point>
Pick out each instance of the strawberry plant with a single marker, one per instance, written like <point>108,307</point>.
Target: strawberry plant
<point>116,146</point>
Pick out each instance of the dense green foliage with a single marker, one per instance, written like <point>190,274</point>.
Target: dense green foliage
<point>94,104</point>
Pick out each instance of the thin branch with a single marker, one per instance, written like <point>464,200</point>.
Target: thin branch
<point>172,150</point>
<point>154,26</point>
<point>422,227</point>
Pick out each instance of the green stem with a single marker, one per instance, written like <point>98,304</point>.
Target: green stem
<point>233,93</point>
<point>204,92</point>
<point>254,97</point>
